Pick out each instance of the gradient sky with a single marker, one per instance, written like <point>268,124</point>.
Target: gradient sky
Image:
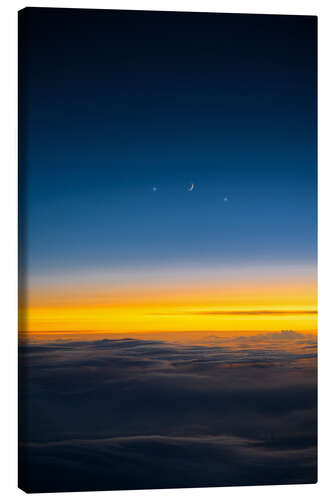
<point>113,106</point>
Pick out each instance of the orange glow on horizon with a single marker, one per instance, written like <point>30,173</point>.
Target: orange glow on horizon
<point>158,309</point>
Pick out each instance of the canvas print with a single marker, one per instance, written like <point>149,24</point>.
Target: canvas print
<point>167,250</point>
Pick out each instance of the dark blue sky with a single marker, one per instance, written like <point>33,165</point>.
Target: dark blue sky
<point>114,103</point>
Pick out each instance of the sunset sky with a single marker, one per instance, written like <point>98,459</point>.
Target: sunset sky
<point>112,238</point>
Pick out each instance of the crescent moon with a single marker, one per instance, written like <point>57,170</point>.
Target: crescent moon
<point>191,187</point>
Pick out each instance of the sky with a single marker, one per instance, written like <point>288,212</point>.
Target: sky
<point>120,116</point>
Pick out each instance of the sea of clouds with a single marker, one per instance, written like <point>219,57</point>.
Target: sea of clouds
<point>132,413</point>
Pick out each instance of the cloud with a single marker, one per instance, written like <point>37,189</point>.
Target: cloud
<point>245,312</point>
<point>162,462</point>
<point>129,413</point>
<point>268,336</point>
<point>264,312</point>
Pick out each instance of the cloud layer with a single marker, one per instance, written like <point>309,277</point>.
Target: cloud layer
<point>129,413</point>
